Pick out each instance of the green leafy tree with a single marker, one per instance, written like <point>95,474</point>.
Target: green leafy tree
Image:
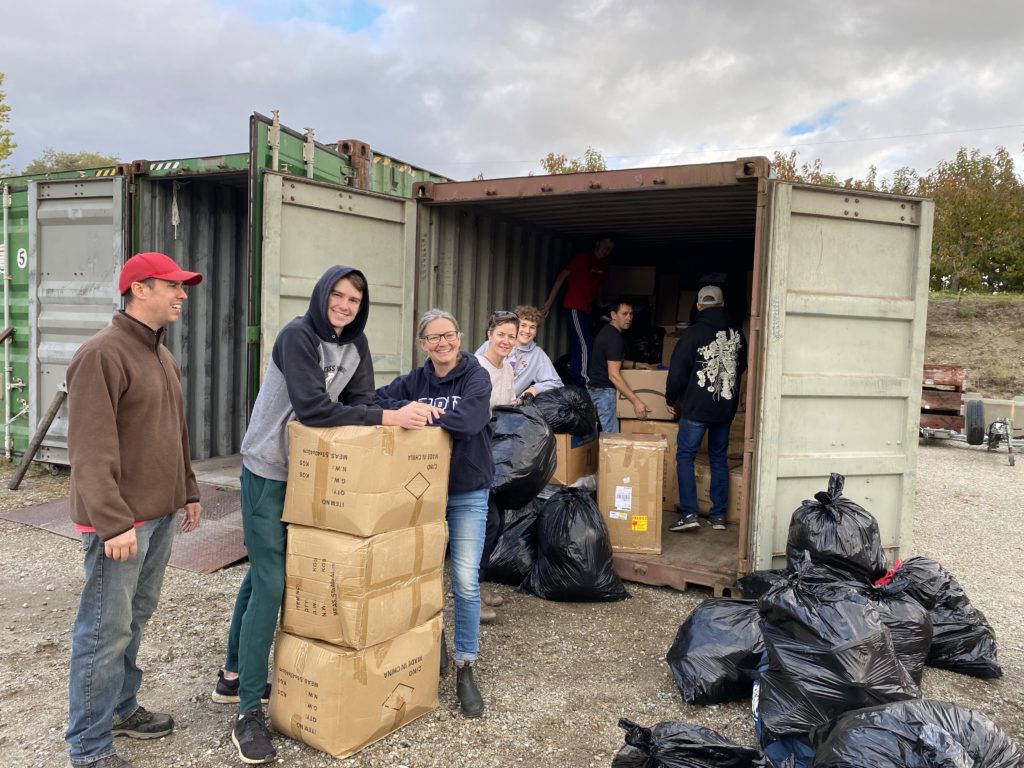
<point>7,144</point>
<point>592,160</point>
<point>52,161</point>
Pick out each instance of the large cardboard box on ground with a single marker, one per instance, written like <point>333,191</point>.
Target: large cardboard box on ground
<point>340,700</point>
<point>354,591</point>
<point>577,456</point>
<point>629,479</point>
<point>669,430</point>
<point>702,471</point>
<point>366,480</point>
<point>649,386</point>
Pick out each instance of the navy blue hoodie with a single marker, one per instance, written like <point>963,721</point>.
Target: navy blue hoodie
<point>465,396</point>
<point>321,378</point>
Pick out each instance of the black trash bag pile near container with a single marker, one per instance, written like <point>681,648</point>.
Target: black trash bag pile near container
<point>568,411</point>
<point>915,734</point>
<point>574,553</point>
<point>908,623</point>
<point>962,639</point>
<point>523,450</point>
<point>515,551</point>
<point>837,533</point>
<point>717,651</point>
<point>679,745</point>
<point>756,583</point>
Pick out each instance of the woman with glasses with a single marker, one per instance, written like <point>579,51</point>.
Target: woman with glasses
<point>531,367</point>
<point>459,389</point>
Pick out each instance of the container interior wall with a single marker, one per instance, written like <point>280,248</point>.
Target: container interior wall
<point>201,222</point>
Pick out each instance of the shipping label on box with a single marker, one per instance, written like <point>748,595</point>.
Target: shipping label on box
<point>649,386</point>
<point>669,430</point>
<point>366,480</point>
<point>629,480</point>
<point>356,592</point>
<point>340,700</point>
<point>577,456</point>
<point>702,473</point>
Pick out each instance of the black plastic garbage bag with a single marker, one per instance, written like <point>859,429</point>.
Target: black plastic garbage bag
<point>716,651</point>
<point>838,533</point>
<point>568,411</point>
<point>515,551</point>
<point>828,652</point>
<point>523,450</point>
<point>574,554</point>
<point>679,745</point>
<point>909,625</point>
<point>962,639</point>
<point>915,734</point>
<point>756,583</point>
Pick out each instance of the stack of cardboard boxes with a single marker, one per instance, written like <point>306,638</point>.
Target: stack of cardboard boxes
<point>358,652</point>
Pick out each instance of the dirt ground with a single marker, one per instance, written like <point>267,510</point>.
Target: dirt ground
<point>557,677</point>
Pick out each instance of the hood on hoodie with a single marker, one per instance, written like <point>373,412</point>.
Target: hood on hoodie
<point>317,312</point>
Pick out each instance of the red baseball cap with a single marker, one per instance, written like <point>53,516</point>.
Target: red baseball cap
<point>143,266</point>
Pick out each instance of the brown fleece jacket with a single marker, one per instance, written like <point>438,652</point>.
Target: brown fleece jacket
<point>127,437</point>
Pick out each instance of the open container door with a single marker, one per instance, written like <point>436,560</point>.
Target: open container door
<point>77,235</point>
<point>309,226</point>
<point>846,297</point>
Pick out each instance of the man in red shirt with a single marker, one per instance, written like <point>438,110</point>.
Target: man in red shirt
<point>584,273</point>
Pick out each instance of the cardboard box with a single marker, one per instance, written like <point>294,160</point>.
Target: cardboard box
<point>629,281</point>
<point>356,592</point>
<point>667,299</point>
<point>577,456</point>
<point>667,345</point>
<point>669,430</point>
<point>649,386</point>
<point>629,479</point>
<point>702,472</point>
<point>685,305</point>
<point>340,700</point>
<point>366,480</point>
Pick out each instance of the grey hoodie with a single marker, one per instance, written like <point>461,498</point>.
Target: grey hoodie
<point>321,378</point>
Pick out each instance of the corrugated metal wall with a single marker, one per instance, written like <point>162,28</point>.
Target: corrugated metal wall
<point>201,223</point>
<point>471,263</point>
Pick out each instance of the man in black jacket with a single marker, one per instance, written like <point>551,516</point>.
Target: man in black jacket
<point>703,389</point>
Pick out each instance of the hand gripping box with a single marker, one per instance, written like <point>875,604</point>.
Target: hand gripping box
<point>356,592</point>
<point>366,480</point>
<point>340,700</point>
<point>629,479</point>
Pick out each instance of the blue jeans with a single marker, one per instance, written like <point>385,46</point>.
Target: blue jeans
<point>467,522</point>
<point>687,444</point>
<point>581,344</point>
<point>604,403</point>
<point>118,597</point>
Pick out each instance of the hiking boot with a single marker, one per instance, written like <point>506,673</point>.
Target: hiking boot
<point>470,700</point>
<point>110,761</point>
<point>685,524</point>
<point>492,599</point>
<point>251,738</point>
<point>444,656</point>
<point>226,691</point>
<point>144,724</point>
<point>718,525</point>
<point>487,614</point>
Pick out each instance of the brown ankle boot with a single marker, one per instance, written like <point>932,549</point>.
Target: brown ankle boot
<point>492,599</point>
<point>470,700</point>
<point>487,614</point>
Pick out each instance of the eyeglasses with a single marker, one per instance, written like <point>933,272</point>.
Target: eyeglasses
<point>435,338</point>
<point>503,314</point>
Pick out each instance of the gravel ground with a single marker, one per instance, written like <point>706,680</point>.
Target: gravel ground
<point>556,677</point>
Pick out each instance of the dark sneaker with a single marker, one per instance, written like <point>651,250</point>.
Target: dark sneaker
<point>470,700</point>
<point>226,691</point>
<point>144,724</point>
<point>110,761</point>
<point>718,525</point>
<point>251,738</point>
<point>685,524</point>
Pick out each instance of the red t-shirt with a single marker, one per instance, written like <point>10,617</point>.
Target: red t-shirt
<point>586,272</point>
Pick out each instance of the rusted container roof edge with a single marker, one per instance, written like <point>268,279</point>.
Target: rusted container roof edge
<point>739,171</point>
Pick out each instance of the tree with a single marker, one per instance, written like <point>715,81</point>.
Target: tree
<point>7,144</point>
<point>592,160</point>
<point>52,161</point>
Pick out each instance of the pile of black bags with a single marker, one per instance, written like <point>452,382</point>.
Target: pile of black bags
<point>523,450</point>
<point>678,745</point>
<point>568,411</point>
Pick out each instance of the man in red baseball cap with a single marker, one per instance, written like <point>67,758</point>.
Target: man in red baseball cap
<point>130,473</point>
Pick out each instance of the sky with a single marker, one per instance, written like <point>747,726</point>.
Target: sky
<point>468,87</point>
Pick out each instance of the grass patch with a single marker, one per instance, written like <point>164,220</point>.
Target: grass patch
<point>966,310</point>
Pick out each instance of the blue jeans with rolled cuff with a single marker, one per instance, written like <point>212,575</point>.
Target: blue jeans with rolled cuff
<point>467,523</point>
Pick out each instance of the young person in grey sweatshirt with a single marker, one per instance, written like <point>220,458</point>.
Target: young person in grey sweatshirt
<point>530,365</point>
<point>320,373</point>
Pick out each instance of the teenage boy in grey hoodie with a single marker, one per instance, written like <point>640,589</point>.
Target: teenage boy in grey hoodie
<point>320,373</point>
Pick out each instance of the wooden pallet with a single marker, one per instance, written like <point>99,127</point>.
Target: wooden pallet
<point>942,397</point>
